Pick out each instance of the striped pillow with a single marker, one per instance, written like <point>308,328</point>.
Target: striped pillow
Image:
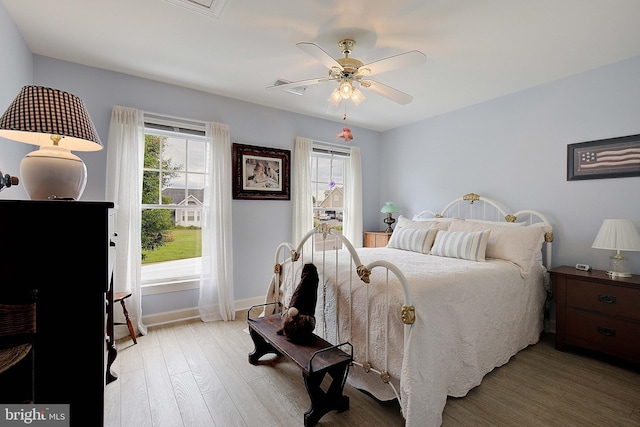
<point>411,239</point>
<point>469,245</point>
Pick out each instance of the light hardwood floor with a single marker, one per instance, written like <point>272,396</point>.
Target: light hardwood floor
<point>197,374</point>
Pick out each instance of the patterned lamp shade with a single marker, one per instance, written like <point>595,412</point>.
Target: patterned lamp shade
<point>39,112</point>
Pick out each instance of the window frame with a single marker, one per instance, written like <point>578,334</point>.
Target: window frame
<point>167,126</point>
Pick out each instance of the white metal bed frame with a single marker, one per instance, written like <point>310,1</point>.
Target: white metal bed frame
<point>470,206</point>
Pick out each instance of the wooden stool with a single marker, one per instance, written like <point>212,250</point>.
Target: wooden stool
<point>121,296</point>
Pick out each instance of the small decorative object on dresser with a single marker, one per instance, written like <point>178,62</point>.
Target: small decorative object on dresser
<point>597,312</point>
<point>389,208</point>
<point>376,239</point>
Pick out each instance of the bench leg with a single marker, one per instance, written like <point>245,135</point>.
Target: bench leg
<point>261,347</point>
<point>321,401</point>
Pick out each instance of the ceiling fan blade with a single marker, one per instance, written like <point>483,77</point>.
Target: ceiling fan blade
<point>318,53</point>
<point>386,91</point>
<point>401,60</point>
<point>300,83</point>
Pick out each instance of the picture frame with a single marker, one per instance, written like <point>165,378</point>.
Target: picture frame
<point>605,158</point>
<point>261,173</point>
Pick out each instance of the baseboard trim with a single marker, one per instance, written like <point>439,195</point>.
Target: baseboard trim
<point>157,319</point>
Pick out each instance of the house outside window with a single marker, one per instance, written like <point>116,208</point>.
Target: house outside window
<point>172,199</point>
<point>327,185</point>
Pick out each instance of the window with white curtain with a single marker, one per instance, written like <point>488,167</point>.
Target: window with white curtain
<point>174,175</point>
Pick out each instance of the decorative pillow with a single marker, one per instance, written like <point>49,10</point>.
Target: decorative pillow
<point>439,223</point>
<point>411,239</point>
<point>461,244</point>
<point>518,245</point>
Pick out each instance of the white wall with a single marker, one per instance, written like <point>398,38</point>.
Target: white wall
<point>514,150</point>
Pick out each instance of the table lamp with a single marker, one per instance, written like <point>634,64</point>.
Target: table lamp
<point>58,122</point>
<point>389,208</point>
<point>618,235</point>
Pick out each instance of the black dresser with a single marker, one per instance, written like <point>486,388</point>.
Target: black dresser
<point>64,250</point>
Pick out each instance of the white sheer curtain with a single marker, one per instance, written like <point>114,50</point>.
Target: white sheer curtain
<point>302,197</point>
<point>125,150</point>
<point>216,282</point>
<point>353,199</point>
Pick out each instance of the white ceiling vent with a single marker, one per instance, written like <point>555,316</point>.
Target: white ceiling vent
<point>294,90</point>
<point>208,7</point>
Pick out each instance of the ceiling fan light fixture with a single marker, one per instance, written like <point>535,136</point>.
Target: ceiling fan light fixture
<point>335,98</point>
<point>357,96</point>
<point>346,89</point>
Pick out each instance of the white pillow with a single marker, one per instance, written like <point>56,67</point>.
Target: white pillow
<point>461,244</point>
<point>439,223</point>
<point>412,239</point>
<point>518,245</point>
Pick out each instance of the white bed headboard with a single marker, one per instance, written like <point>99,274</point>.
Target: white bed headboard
<point>472,206</point>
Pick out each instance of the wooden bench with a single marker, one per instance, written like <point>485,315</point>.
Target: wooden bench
<point>315,357</point>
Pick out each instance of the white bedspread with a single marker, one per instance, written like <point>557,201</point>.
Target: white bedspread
<point>470,318</point>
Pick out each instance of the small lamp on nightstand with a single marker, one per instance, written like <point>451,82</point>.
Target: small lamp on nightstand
<point>389,208</point>
<point>618,235</point>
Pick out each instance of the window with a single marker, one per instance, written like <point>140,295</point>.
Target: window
<point>172,198</point>
<point>327,183</point>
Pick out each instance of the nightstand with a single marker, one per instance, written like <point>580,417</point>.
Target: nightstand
<point>597,312</point>
<point>376,239</point>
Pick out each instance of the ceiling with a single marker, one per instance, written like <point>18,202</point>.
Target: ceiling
<point>476,50</point>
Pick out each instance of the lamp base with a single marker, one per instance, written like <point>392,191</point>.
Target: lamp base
<point>618,266</point>
<point>618,274</point>
<point>53,172</point>
<point>389,220</point>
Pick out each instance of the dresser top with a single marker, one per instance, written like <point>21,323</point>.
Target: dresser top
<point>56,202</point>
<point>594,274</point>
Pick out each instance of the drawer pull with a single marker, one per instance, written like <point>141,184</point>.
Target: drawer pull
<point>607,299</point>
<point>607,332</point>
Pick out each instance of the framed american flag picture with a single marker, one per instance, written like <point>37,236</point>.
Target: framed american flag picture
<point>606,158</point>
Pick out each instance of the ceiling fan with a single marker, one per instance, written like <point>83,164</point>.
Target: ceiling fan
<point>350,73</point>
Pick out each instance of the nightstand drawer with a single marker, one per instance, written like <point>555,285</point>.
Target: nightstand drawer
<point>376,239</point>
<point>613,336</point>
<point>611,300</point>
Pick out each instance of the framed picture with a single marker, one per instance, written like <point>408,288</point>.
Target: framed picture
<point>261,173</point>
<point>606,158</point>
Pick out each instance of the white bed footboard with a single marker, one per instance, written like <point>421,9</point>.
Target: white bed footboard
<point>327,243</point>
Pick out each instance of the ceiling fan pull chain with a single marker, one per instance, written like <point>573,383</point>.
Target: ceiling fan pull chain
<point>345,110</point>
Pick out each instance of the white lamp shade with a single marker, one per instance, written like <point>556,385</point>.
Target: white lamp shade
<point>617,234</point>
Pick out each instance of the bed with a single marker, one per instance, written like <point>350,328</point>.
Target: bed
<point>455,294</point>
